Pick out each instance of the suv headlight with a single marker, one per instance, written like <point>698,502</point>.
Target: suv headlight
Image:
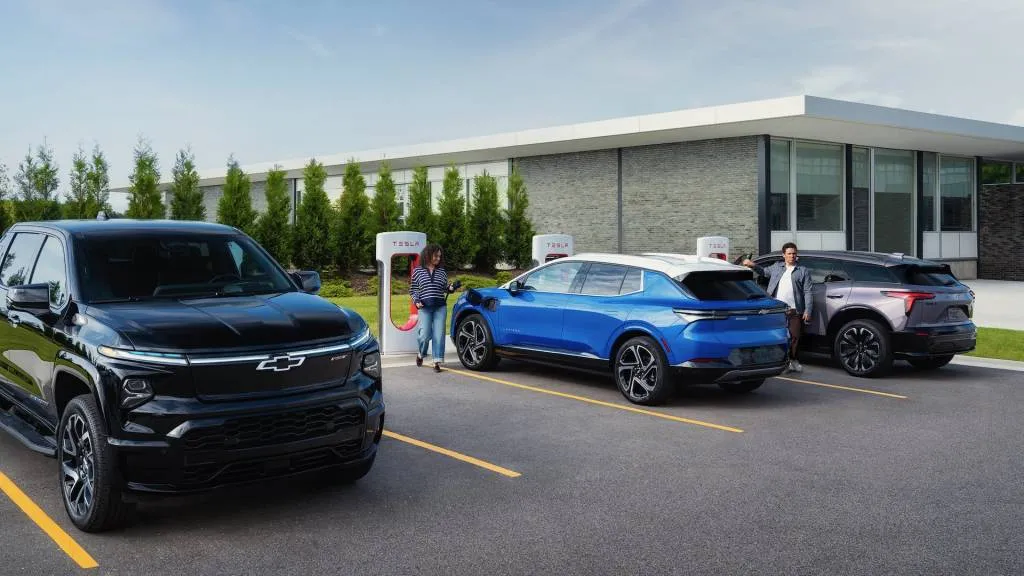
<point>370,364</point>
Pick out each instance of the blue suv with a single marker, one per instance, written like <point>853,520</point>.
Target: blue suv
<point>652,320</point>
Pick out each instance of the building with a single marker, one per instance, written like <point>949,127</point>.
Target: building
<point>827,174</point>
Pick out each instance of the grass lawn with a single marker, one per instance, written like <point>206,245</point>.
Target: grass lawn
<point>992,342</point>
<point>1000,343</point>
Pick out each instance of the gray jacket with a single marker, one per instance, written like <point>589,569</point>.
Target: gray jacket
<point>801,284</point>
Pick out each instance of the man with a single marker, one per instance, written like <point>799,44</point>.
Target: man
<point>790,283</point>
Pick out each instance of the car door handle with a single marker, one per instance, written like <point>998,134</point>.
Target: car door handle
<point>835,296</point>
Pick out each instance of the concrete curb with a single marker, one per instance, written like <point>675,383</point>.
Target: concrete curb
<point>988,363</point>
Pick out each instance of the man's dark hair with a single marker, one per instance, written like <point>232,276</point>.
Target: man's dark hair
<point>428,254</point>
<point>787,246</point>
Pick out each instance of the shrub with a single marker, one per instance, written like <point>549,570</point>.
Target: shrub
<point>336,289</point>
<point>502,276</point>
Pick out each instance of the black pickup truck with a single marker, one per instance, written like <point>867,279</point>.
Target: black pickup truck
<point>164,356</point>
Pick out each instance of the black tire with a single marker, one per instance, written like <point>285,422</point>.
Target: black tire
<point>931,363</point>
<point>352,474</point>
<point>474,343</point>
<point>94,502</point>
<point>653,385</point>
<point>744,387</point>
<point>863,348</point>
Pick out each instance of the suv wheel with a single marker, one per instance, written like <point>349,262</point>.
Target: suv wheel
<point>474,343</point>
<point>862,348</point>
<point>932,363</point>
<point>90,484</point>
<point>640,371</point>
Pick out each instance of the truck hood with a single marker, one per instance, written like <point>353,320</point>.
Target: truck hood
<point>201,324</point>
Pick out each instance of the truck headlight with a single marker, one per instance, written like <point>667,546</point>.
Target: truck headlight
<point>370,364</point>
<point>135,392</point>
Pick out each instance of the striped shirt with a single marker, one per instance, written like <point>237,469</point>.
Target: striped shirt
<point>429,289</point>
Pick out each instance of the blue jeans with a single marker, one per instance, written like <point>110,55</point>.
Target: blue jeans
<point>430,329</point>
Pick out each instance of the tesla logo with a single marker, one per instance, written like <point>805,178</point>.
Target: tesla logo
<point>281,363</point>
<point>408,243</point>
<point>558,244</point>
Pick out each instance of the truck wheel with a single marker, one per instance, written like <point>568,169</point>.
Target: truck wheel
<point>744,387</point>
<point>862,348</point>
<point>640,371</point>
<point>474,343</point>
<point>90,483</point>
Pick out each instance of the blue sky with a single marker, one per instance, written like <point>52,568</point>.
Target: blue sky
<point>275,80</point>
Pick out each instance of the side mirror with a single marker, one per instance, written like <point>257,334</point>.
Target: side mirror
<point>514,287</point>
<point>32,298</point>
<point>834,278</point>
<point>308,280</point>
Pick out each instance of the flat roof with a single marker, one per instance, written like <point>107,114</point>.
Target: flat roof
<point>802,117</point>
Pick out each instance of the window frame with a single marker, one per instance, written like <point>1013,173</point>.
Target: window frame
<point>70,282</point>
<point>573,286</point>
<point>627,268</point>
<point>792,212</point>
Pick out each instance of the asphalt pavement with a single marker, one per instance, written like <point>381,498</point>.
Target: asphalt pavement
<point>529,470</point>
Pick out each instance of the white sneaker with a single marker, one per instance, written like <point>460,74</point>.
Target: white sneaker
<point>794,366</point>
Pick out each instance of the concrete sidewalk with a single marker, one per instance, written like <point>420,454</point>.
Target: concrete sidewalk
<point>998,303</point>
<point>398,360</point>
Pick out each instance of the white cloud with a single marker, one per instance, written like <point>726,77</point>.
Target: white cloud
<point>1017,117</point>
<point>311,43</point>
<point>845,83</point>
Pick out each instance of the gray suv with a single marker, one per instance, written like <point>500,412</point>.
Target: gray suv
<point>871,309</point>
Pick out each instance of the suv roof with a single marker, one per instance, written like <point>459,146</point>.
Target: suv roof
<point>673,265</point>
<point>878,258</point>
<point>129,225</point>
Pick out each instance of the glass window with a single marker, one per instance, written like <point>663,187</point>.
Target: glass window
<point>554,278</point>
<point>861,177</point>
<point>819,187</point>
<point>956,182</point>
<point>819,268</point>
<point>603,280</point>
<point>1020,173</point>
<point>170,265</point>
<point>633,282</point>
<point>995,172</point>
<point>931,192</point>
<point>20,258</point>
<point>51,269</point>
<point>895,180</point>
<point>859,272</point>
<point>779,217</point>
<point>722,286</point>
<point>925,275</point>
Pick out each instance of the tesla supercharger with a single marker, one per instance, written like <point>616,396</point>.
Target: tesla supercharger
<point>396,339</point>
<point>548,247</point>
<point>713,247</point>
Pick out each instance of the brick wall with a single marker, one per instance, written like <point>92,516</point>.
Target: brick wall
<point>1001,239</point>
<point>673,194</point>
<point>575,194</point>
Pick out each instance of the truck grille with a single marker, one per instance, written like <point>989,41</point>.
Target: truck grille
<point>255,470</point>
<point>269,429</point>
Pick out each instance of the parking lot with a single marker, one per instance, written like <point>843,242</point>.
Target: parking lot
<point>530,470</point>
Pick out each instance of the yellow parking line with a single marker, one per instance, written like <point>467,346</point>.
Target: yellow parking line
<point>849,388</point>
<point>453,454</point>
<point>66,543</point>
<point>597,402</point>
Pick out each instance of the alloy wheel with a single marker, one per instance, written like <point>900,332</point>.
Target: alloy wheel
<point>637,371</point>
<point>860,349</point>
<point>78,466</point>
<point>471,342</point>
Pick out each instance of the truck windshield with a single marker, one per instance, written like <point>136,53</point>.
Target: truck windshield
<point>174,265</point>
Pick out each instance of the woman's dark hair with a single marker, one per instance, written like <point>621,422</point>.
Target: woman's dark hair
<point>428,254</point>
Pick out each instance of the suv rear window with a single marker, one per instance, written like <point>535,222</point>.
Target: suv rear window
<point>925,276</point>
<point>738,285</point>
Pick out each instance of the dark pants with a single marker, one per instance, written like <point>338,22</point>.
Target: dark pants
<point>796,326</point>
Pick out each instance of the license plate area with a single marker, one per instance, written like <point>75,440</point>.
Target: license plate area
<point>956,314</point>
<point>757,355</point>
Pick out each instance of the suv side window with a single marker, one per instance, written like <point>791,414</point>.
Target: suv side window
<point>633,282</point>
<point>818,267</point>
<point>20,259</point>
<point>859,272</point>
<point>554,278</point>
<point>51,268</point>
<point>603,280</point>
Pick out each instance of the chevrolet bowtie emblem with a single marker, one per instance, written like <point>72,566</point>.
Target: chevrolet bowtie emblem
<point>281,363</point>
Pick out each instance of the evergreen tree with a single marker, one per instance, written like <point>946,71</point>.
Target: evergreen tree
<point>235,205</point>
<point>452,232</point>
<point>312,247</point>
<point>37,181</point>
<point>186,197</point>
<point>144,197</point>
<point>352,224</point>
<point>384,206</point>
<point>77,204</point>
<point>519,230</point>
<point>421,216</point>
<point>486,223</point>
<point>6,217</point>
<point>273,230</point>
<point>98,185</point>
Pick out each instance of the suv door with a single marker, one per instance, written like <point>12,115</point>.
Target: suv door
<point>600,308</point>
<point>533,316</point>
<point>830,290</point>
<point>28,343</point>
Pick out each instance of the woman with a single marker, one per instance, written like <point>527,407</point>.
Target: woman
<point>430,288</point>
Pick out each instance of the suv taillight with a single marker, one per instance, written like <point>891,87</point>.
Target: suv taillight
<point>908,298</point>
